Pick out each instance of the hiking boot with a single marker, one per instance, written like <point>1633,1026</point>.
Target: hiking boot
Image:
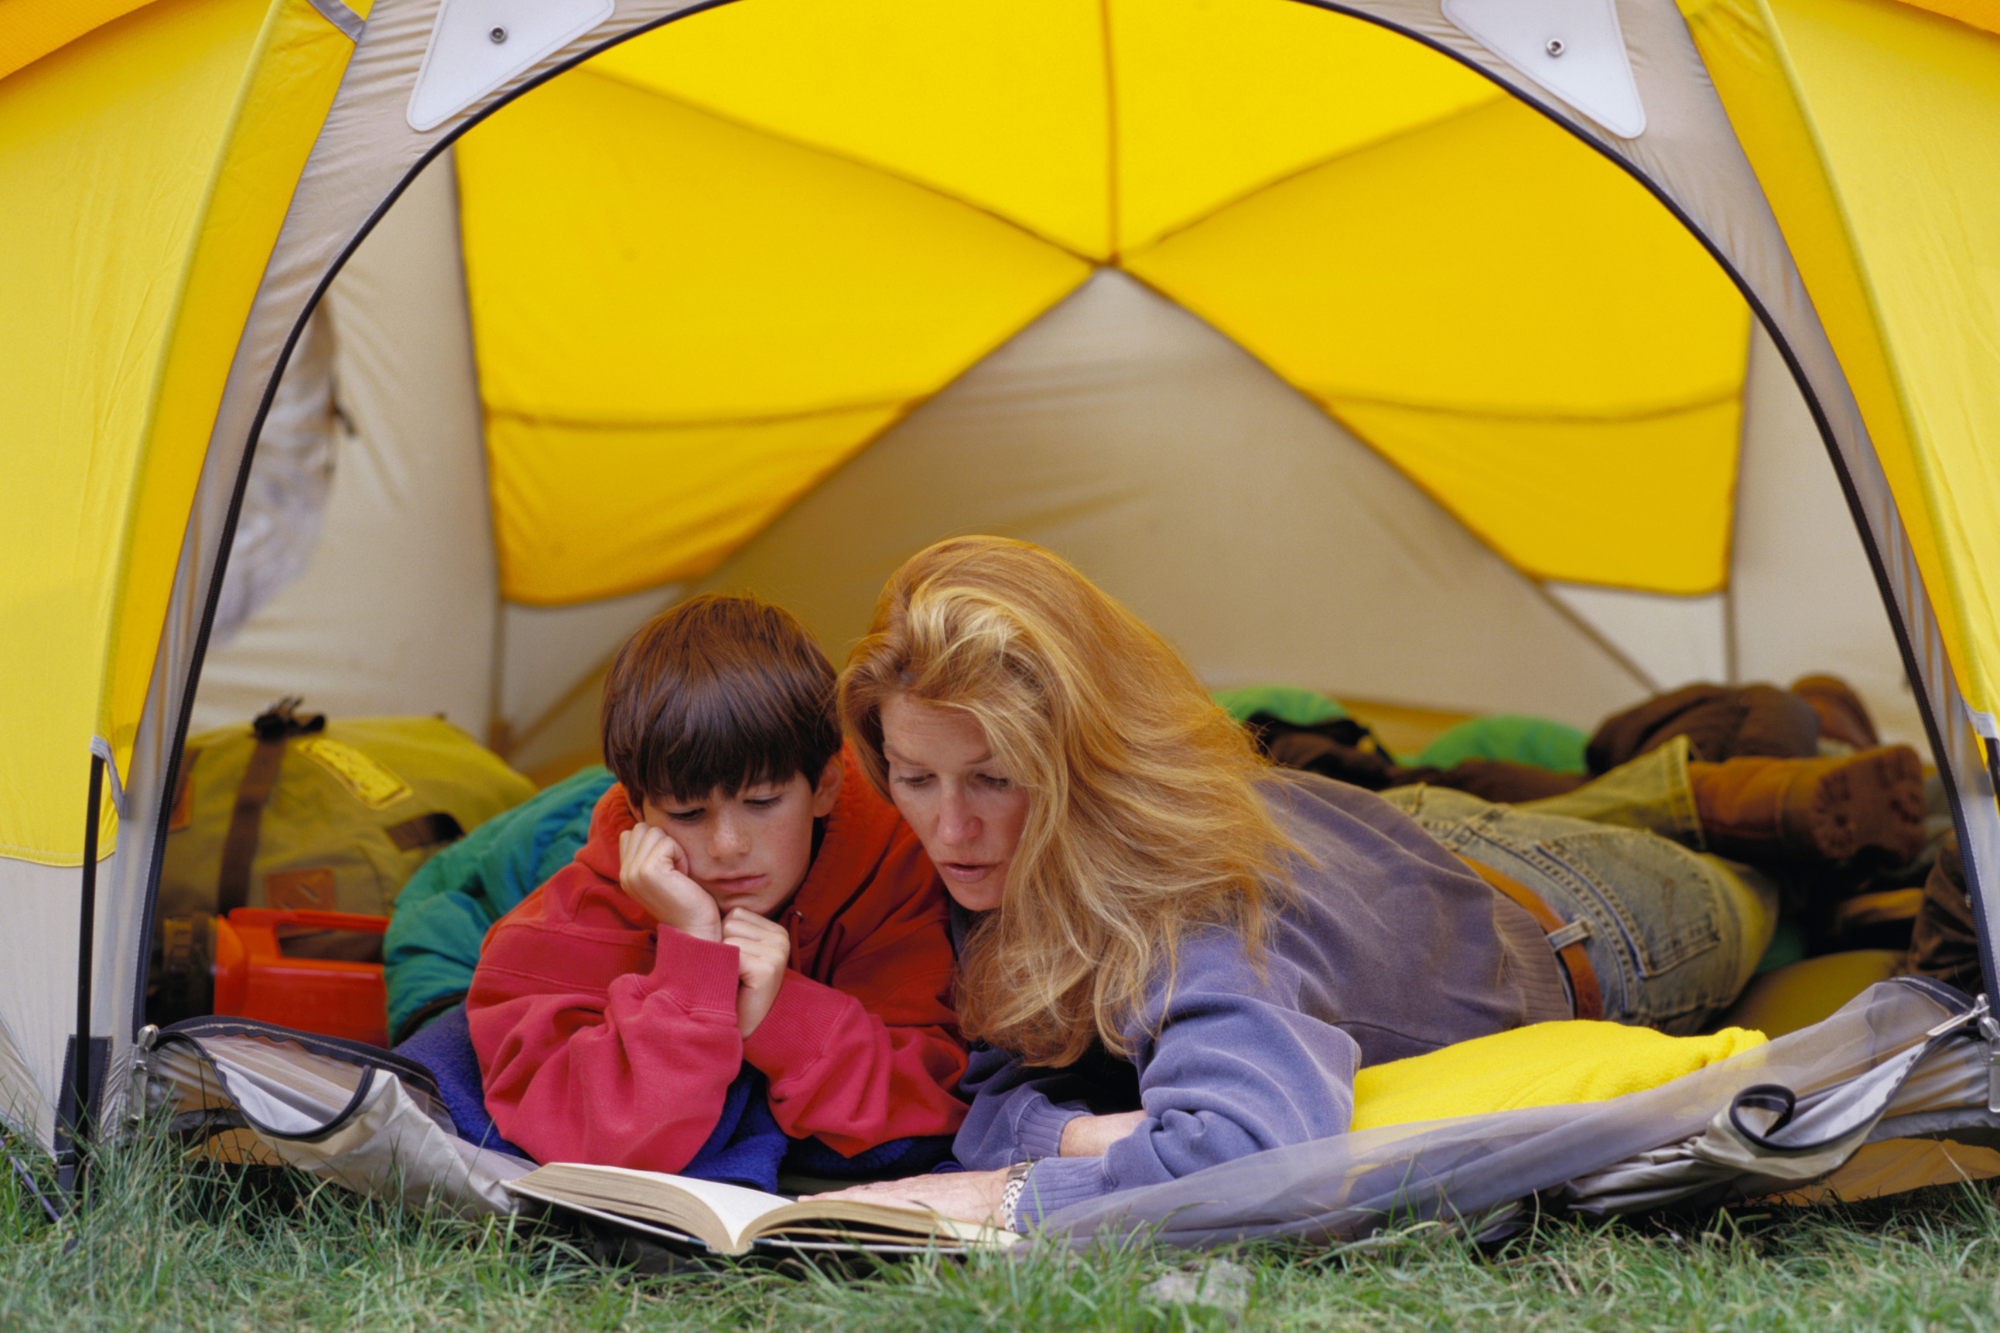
<point>1813,810</point>
<point>1842,715</point>
<point>1945,940</point>
<point>1720,722</point>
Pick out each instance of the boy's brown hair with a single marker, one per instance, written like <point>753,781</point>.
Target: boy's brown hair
<point>721,692</point>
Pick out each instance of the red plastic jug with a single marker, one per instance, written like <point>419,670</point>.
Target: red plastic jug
<point>256,978</point>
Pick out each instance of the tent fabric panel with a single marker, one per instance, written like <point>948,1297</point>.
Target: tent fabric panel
<point>276,120</point>
<point>1016,103</point>
<point>1738,49</point>
<point>21,1102</point>
<point>1225,509</point>
<point>546,650</point>
<point>635,261</point>
<point>1918,181</point>
<point>578,513</point>
<point>1576,322</point>
<point>113,136</point>
<point>644,301</point>
<point>1675,641</point>
<point>1218,100</point>
<point>37,988</point>
<point>1641,504</point>
<point>1984,14</point>
<point>1573,295</point>
<point>394,614</point>
<point>30,29</point>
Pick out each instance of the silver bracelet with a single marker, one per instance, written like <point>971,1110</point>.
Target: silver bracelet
<point>1010,1198</point>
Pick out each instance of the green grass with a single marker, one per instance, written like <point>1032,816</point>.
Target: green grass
<point>173,1245</point>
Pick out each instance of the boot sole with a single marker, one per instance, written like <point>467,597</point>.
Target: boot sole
<point>1871,801</point>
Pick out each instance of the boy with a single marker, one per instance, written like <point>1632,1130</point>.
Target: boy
<point>744,895</point>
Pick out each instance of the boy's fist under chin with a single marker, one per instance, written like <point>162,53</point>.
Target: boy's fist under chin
<point>763,947</point>
<point>652,869</point>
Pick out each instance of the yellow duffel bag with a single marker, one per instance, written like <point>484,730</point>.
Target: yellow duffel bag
<point>297,813</point>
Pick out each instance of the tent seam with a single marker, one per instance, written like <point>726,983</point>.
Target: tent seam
<point>1540,415</point>
<point>707,423</point>
<point>1113,161</point>
<point>834,154</point>
<point>1499,96</point>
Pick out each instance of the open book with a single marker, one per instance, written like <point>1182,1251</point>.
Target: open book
<point>730,1219</point>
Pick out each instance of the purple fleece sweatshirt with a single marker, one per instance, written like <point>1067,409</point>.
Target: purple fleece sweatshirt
<point>1386,946</point>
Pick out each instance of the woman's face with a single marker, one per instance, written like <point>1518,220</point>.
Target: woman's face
<point>955,795</point>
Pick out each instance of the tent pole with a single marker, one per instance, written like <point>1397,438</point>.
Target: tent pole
<point>86,930</point>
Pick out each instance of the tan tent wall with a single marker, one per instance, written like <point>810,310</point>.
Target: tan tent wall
<point>396,612</point>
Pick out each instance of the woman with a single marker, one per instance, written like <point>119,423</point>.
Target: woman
<point>1177,955</point>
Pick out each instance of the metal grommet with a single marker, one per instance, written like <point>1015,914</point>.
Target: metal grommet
<point>499,35</point>
<point>1554,48</point>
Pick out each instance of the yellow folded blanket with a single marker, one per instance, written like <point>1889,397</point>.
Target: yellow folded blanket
<point>1548,1064</point>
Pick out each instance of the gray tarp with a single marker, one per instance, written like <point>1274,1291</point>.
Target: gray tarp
<point>363,1119</point>
<point>1904,1061</point>
<point>1787,1114</point>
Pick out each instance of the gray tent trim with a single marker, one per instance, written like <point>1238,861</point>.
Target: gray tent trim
<point>1905,1059</point>
<point>1908,1060</point>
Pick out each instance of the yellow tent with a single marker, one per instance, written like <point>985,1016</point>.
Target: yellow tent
<point>1483,357</point>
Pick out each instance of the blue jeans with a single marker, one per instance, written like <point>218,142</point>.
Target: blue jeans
<point>1674,933</point>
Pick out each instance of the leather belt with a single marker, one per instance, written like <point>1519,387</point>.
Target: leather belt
<point>1582,978</point>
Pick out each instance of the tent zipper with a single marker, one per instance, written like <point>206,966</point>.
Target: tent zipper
<point>1980,1013</point>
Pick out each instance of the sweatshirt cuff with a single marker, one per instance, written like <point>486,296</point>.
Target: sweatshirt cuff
<point>1054,1183</point>
<point>1038,1131</point>
<point>795,1030</point>
<point>702,974</point>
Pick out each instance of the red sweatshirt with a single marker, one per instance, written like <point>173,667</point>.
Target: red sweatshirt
<point>603,1037</point>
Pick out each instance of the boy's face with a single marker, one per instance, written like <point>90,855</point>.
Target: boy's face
<point>751,849</point>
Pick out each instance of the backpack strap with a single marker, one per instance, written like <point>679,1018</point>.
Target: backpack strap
<point>274,727</point>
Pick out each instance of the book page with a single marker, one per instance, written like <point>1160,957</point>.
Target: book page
<point>730,1217</point>
<point>893,1218</point>
<point>737,1208</point>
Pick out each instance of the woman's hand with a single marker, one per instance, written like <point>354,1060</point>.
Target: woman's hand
<point>964,1196</point>
<point>1091,1135</point>
<point>763,947</point>
<point>652,869</point>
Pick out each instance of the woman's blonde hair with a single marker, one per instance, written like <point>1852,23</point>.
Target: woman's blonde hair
<point>1144,820</point>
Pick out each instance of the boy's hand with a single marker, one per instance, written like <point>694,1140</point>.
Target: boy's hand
<point>763,947</point>
<point>652,868</point>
